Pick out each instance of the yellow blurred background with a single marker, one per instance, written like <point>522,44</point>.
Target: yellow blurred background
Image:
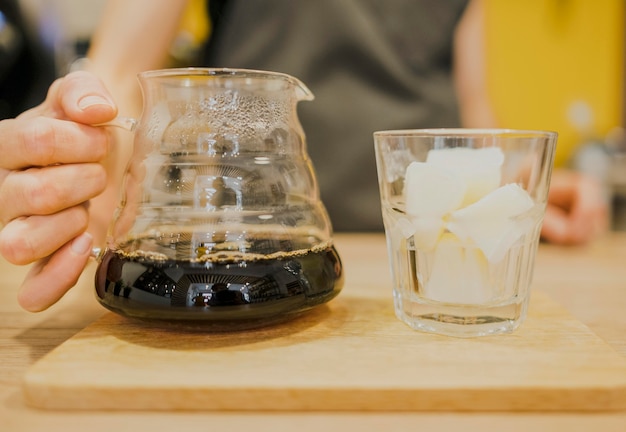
<point>557,64</point>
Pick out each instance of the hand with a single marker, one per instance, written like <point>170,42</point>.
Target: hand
<point>577,210</point>
<point>49,170</point>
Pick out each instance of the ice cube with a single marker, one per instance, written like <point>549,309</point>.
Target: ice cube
<point>459,274</point>
<point>426,231</point>
<point>395,163</point>
<point>432,191</point>
<point>479,168</point>
<point>492,223</point>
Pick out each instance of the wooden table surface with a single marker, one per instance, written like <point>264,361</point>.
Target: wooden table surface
<point>589,281</point>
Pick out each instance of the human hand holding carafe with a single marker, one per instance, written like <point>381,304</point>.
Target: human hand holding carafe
<point>52,166</point>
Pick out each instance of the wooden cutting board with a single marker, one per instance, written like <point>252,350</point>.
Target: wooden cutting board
<point>352,354</point>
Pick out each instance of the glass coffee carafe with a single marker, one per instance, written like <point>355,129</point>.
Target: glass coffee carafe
<point>221,221</point>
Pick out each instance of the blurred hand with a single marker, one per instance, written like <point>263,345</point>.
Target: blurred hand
<point>577,210</point>
<point>49,170</point>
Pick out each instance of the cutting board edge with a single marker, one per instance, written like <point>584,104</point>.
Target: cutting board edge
<point>506,399</point>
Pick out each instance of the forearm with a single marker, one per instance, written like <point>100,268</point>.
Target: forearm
<point>133,36</point>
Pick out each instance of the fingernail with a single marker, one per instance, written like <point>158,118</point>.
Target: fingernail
<point>82,244</point>
<point>89,101</point>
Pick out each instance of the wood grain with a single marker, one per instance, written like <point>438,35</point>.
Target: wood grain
<point>352,354</point>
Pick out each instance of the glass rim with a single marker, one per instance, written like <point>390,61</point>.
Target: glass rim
<point>247,75</point>
<point>466,133</point>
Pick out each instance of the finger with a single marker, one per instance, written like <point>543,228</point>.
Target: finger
<point>555,228</point>
<point>582,209</point>
<point>563,186</point>
<point>580,231</point>
<point>79,96</point>
<point>27,239</point>
<point>43,141</point>
<point>589,210</point>
<point>591,202</point>
<point>586,226</point>
<point>49,279</point>
<point>560,227</point>
<point>45,191</point>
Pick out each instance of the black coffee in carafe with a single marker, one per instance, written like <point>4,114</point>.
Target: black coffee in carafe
<point>232,292</point>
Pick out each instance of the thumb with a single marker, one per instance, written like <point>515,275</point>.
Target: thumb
<point>81,97</point>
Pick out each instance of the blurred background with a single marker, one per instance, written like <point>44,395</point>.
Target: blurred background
<point>551,64</point>
<point>559,65</point>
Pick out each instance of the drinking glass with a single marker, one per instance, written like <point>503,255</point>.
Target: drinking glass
<point>462,210</point>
